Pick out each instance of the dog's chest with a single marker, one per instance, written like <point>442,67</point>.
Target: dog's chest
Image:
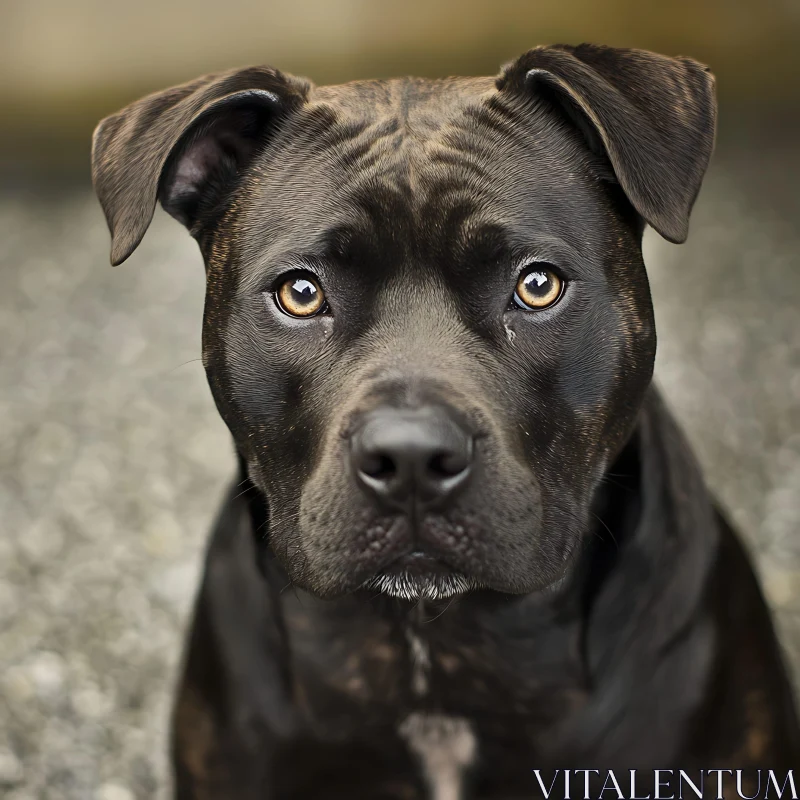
<point>448,699</point>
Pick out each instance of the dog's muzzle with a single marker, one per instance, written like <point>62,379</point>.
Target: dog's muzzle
<point>412,462</point>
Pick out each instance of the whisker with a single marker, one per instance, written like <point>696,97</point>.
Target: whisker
<point>190,361</point>
<point>452,600</point>
<point>243,492</point>
<point>610,481</point>
<point>613,538</point>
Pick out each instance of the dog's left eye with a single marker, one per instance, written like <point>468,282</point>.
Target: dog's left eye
<point>301,296</point>
<point>538,288</point>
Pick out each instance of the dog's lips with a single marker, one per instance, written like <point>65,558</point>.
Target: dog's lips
<point>418,564</point>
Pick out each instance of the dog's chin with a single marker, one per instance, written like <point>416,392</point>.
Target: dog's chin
<point>420,577</point>
<point>409,586</point>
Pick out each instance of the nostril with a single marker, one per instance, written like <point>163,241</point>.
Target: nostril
<point>379,466</point>
<point>400,455</point>
<point>447,464</point>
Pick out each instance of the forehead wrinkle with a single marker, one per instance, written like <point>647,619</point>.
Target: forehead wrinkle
<point>488,155</point>
<point>412,135</point>
<point>405,127</point>
<point>417,102</point>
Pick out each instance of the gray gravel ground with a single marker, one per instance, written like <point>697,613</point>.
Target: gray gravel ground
<point>112,457</point>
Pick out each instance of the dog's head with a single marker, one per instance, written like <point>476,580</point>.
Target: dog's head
<point>428,324</point>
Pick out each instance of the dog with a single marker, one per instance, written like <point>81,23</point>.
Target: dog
<point>467,543</point>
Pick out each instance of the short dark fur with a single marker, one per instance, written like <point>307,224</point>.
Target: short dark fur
<point>620,624</point>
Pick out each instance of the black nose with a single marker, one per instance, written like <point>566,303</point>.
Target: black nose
<point>411,455</point>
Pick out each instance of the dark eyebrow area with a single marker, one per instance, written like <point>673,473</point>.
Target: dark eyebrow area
<point>481,241</point>
<point>341,244</point>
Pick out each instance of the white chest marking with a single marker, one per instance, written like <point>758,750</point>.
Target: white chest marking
<point>445,746</point>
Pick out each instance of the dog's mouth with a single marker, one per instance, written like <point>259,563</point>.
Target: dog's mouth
<point>419,576</point>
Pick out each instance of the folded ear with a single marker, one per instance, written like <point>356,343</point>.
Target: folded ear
<point>184,146</point>
<point>653,116</point>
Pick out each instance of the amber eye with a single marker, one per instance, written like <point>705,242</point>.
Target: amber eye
<point>538,288</point>
<point>301,296</point>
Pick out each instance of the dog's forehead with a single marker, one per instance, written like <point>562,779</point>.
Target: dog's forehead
<point>411,159</point>
<point>421,106</point>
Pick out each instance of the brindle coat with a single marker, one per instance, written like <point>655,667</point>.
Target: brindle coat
<point>619,624</point>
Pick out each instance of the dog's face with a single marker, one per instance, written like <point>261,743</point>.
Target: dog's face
<point>480,274</point>
<point>428,324</point>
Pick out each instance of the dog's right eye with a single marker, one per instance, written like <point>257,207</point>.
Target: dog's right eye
<point>301,296</point>
<point>538,288</point>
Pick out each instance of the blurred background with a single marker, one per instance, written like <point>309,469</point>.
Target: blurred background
<point>112,457</point>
